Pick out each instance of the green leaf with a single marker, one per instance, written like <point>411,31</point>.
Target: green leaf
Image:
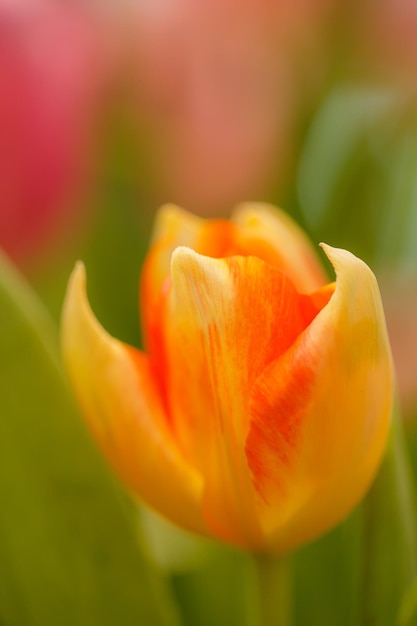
<point>326,577</point>
<point>408,610</point>
<point>389,546</point>
<point>69,547</point>
<point>218,592</point>
<point>357,174</point>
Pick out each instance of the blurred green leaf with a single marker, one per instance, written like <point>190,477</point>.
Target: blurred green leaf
<point>173,549</point>
<point>113,248</point>
<point>389,546</point>
<point>408,609</point>
<point>410,428</point>
<point>218,592</point>
<point>357,173</point>
<point>69,551</point>
<point>326,577</point>
<point>113,236</point>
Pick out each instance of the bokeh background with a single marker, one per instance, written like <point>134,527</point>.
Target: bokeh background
<point>110,109</point>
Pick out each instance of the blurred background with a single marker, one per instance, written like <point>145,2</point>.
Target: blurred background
<point>108,110</point>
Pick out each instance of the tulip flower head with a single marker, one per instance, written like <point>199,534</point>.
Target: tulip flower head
<point>259,411</point>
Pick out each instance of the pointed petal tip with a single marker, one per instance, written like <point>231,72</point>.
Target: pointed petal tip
<point>173,221</point>
<point>76,288</point>
<point>76,291</point>
<point>79,266</point>
<point>341,259</point>
<point>183,252</point>
<point>79,325</point>
<point>329,250</point>
<point>170,210</point>
<point>335,253</point>
<point>184,257</point>
<point>78,276</point>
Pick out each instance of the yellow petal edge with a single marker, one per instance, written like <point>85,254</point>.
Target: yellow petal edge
<point>346,419</point>
<point>116,392</point>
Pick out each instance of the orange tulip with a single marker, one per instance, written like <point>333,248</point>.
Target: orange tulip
<point>259,412</point>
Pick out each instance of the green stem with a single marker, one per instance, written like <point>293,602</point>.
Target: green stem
<point>272,591</point>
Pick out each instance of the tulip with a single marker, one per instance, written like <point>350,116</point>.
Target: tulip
<point>49,67</point>
<point>260,409</point>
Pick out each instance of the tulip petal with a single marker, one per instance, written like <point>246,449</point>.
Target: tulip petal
<point>256,230</point>
<point>117,393</point>
<point>174,227</point>
<point>321,413</point>
<point>226,319</point>
<point>272,235</point>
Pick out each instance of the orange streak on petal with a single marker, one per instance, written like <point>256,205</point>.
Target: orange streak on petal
<point>321,412</point>
<point>322,296</point>
<point>217,239</point>
<point>291,393</point>
<point>174,227</point>
<point>279,401</point>
<point>228,318</point>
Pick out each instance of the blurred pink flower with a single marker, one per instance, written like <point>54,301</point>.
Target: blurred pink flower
<point>218,86</point>
<point>388,39</point>
<point>48,70</point>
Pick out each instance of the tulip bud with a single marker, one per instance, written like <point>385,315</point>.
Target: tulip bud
<point>259,411</point>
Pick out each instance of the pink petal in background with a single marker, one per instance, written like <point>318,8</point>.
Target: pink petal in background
<point>217,81</point>
<point>48,74</point>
